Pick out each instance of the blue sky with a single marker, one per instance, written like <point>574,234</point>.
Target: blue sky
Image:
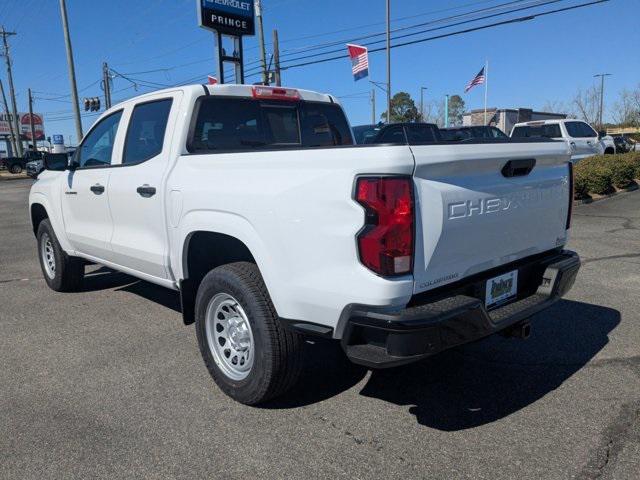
<point>546,59</point>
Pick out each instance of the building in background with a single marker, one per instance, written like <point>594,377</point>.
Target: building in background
<point>506,118</point>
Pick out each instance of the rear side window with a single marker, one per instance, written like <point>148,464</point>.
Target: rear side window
<point>580,130</point>
<point>237,124</point>
<point>147,128</point>
<point>551,130</point>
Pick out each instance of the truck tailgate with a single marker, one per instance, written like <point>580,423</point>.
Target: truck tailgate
<point>471,217</point>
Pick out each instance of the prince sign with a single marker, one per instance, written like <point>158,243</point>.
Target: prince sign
<point>231,17</point>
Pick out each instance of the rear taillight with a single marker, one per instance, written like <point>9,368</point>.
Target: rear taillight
<point>572,194</point>
<point>386,242</point>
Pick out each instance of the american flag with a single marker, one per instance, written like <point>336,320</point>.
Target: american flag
<point>477,80</point>
<point>359,61</point>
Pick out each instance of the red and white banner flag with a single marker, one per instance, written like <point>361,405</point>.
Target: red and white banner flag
<point>359,61</point>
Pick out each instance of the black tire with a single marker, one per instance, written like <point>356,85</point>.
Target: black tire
<point>609,151</point>
<point>68,271</point>
<point>16,168</point>
<point>277,352</point>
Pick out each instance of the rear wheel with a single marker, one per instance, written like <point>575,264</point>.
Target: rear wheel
<point>16,168</point>
<point>249,354</point>
<point>62,272</point>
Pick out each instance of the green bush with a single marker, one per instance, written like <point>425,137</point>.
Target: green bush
<point>580,184</point>
<point>597,174</point>
<point>622,170</point>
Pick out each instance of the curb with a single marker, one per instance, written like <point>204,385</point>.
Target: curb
<point>586,201</point>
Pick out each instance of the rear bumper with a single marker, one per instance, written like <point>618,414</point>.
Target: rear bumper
<point>380,340</point>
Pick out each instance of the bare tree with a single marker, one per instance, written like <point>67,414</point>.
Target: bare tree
<point>434,112</point>
<point>558,106</point>
<point>587,105</point>
<point>626,111</point>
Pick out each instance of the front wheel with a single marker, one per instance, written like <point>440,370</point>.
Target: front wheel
<point>62,272</point>
<point>249,354</point>
<point>16,168</point>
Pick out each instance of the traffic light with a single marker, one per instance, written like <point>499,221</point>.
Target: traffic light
<point>92,104</point>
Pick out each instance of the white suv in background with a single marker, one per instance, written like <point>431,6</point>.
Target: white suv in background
<point>582,138</point>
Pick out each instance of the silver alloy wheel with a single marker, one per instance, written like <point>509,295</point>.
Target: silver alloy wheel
<point>229,336</point>
<point>48,256</point>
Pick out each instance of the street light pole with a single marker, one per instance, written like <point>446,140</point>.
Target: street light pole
<point>422,89</point>
<point>72,69</point>
<point>601,75</point>
<point>446,111</point>
<point>388,61</point>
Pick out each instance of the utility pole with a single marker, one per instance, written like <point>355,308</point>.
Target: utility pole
<point>388,61</point>
<point>33,128</point>
<point>276,58</point>
<point>12,92</point>
<point>106,82</point>
<point>601,75</point>
<point>72,69</point>
<point>373,106</point>
<point>9,120</point>
<point>263,53</point>
<point>422,89</point>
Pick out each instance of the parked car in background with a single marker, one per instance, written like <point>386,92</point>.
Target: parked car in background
<point>457,134</point>
<point>623,144</point>
<point>18,164</point>
<point>581,137</point>
<point>396,133</point>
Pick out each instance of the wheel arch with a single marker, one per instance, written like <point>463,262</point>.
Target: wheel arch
<point>202,251</point>
<point>38,214</point>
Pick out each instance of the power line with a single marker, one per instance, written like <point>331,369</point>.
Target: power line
<point>451,34</point>
<point>442,27</point>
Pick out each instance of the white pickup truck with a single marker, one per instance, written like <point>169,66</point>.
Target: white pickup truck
<point>583,140</point>
<point>255,204</point>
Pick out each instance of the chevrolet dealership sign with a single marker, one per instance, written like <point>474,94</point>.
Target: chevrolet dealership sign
<point>231,17</point>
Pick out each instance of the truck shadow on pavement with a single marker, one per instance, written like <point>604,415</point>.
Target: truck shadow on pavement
<point>483,382</point>
<point>474,384</point>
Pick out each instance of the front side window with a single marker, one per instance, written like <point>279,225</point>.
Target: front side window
<point>580,130</point>
<point>97,147</point>
<point>147,128</point>
<point>237,124</point>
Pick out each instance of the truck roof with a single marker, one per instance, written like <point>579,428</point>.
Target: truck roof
<point>232,90</point>
<point>534,123</point>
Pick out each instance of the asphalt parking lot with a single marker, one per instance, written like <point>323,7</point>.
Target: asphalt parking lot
<point>109,383</point>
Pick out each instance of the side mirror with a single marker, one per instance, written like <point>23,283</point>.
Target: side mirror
<point>56,162</point>
<point>602,133</point>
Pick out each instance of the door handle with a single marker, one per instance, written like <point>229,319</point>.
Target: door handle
<point>97,189</point>
<point>146,191</point>
<point>518,168</point>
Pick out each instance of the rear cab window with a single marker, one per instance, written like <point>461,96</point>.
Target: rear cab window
<point>231,124</point>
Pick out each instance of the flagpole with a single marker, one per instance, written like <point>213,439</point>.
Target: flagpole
<point>486,88</point>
